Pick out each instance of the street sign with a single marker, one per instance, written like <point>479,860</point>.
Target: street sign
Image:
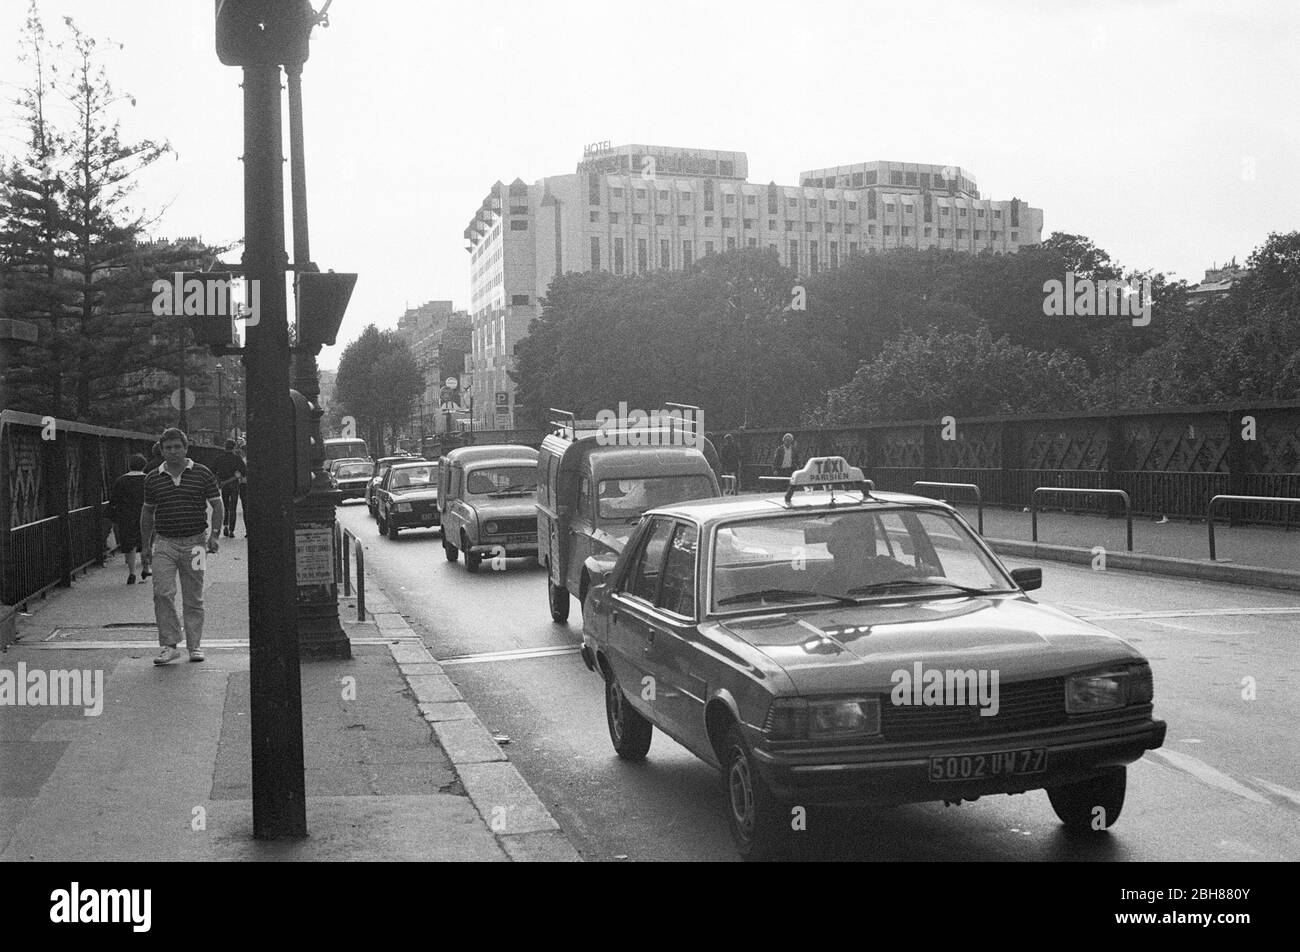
<point>315,555</point>
<point>503,400</point>
<point>176,399</point>
<point>451,383</point>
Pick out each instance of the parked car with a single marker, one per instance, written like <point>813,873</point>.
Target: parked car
<point>593,488</point>
<point>408,498</point>
<point>840,645</point>
<point>487,496</point>
<point>380,468</point>
<point>350,476</point>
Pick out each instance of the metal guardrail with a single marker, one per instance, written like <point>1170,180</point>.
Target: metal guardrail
<point>343,567</point>
<point>1128,505</point>
<point>979,498</point>
<point>1209,510</point>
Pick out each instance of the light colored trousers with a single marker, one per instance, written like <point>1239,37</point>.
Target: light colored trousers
<point>172,558</point>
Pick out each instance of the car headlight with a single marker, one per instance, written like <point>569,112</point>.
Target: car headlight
<point>403,507</point>
<point>1107,690</point>
<point>490,528</point>
<point>836,718</point>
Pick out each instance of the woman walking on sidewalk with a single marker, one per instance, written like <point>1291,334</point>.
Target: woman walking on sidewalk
<point>125,502</point>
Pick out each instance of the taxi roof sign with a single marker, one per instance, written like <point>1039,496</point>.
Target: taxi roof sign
<point>827,472</point>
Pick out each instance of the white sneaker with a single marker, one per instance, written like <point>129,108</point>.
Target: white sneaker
<point>167,656</point>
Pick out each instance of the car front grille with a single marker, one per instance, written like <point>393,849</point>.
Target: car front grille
<point>515,526</point>
<point>1022,706</point>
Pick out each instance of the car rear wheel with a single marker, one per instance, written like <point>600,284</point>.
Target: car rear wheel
<point>1092,805</point>
<point>382,525</point>
<point>558,596</point>
<point>759,828</point>
<point>629,732</point>
<point>449,550</point>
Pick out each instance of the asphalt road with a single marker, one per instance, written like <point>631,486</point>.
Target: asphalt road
<point>1226,785</point>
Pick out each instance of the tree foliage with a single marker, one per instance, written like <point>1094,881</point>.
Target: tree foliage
<point>377,381</point>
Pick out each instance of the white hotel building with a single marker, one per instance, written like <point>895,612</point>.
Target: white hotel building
<point>636,208</point>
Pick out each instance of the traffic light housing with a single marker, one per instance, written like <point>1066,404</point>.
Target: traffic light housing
<point>263,32</point>
<point>304,424</point>
<point>322,299</point>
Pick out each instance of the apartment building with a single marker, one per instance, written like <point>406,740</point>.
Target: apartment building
<point>636,208</point>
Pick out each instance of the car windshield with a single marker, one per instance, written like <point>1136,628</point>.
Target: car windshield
<point>831,557</point>
<point>626,499</point>
<point>414,477</point>
<point>502,479</point>
<point>352,470</point>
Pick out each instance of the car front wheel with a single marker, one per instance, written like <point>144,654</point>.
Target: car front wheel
<point>449,550</point>
<point>758,825</point>
<point>472,559</point>
<point>392,530</point>
<point>628,730</point>
<point>1093,805</point>
<point>558,596</point>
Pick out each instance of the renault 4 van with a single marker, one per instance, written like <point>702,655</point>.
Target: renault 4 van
<point>487,496</point>
<point>593,488</point>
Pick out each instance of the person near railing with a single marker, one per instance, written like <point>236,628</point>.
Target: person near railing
<point>125,502</point>
<point>786,458</point>
<point>229,469</point>
<point>176,499</point>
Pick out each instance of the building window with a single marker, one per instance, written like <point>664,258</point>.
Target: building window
<point>750,200</point>
<point>812,203</point>
<point>613,218</point>
<point>519,209</point>
<point>681,221</point>
<point>771,224</point>
<point>943,232</point>
<point>889,207</point>
<point>907,231</point>
<point>708,221</point>
<point>772,203</point>
<point>708,248</point>
<point>853,206</point>
<point>996,234</point>
<point>594,216</point>
<point>871,178</point>
<point>728,222</point>
<point>616,192</point>
<point>909,209</point>
<point>979,213</point>
<point>752,242</point>
<point>593,189</point>
<point>686,254</point>
<point>833,204</point>
<point>1015,236</point>
<point>642,255</point>
<point>871,229</point>
<point>928,231</point>
<point>889,230</point>
<point>794,255</point>
<point>830,226</point>
<point>961,232</point>
<point>895,178</point>
<point>731,244</point>
<point>978,234</point>
<point>945,210</point>
<point>857,179</point>
<point>853,248</point>
<point>812,256</point>
<point>848,229</point>
<point>640,194</point>
<point>637,219</point>
<point>665,255</point>
<point>618,255</point>
<point>789,225</point>
<point>518,299</point>
<point>997,213</point>
<point>519,225</point>
<point>833,258</point>
<point>961,213</point>
<point>792,202</point>
<point>730,199</point>
<point>595,254</point>
<point>686,196</point>
<point>938,180</point>
<point>663,194</point>
<point>749,223</point>
<point>911,178</point>
<point>661,219</point>
<point>807,226</point>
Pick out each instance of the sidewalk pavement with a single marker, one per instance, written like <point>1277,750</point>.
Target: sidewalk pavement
<point>1251,555</point>
<point>397,767</point>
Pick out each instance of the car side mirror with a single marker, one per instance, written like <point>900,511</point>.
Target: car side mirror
<point>1028,579</point>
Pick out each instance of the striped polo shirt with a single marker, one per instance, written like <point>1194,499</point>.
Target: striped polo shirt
<point>182,506</point>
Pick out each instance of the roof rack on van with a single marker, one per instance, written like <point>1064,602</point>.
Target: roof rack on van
<point>561,426</point>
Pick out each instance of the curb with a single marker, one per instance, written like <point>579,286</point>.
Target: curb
<point>1228,572</point>
<point>523,827</point>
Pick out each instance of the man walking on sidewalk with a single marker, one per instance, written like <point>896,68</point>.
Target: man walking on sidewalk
<point>230,470</point>
<point>176,497</point>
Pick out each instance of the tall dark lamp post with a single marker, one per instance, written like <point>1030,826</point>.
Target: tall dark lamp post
<point>221,408</point>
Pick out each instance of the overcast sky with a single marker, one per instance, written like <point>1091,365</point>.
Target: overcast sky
<point>1167,132</point>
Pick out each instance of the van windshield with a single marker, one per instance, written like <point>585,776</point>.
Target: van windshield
<point>629,498</point>
<point>502,479</point>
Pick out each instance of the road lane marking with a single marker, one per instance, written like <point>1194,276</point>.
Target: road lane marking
<point>1292,797</point>
<point>518,654</point>
<point>1206,774</point>
<point>1188,613</point>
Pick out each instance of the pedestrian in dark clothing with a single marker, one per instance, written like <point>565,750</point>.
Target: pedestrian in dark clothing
<point>155,458</point>
<point>126,499</point>
<point>228,468</point>
<point>786,457</point>
<point>729,457</point>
